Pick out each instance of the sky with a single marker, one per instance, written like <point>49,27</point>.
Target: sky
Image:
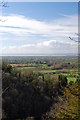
<point>39,28</point>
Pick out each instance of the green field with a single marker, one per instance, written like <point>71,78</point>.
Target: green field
<point>73,71</point>
<point>25,67</point>
<point>67,74</point>
<point>47,71</point>
<point>73,79</point>
<point>70,71</point>
<point>44,65</point>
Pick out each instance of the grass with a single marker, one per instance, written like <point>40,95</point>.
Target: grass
<point>73,79</point>
<point>47,71</point>
<point>26,67</point>
<point>73,71</point>
<point>70,71</point>
<point>69,108</point>
<point>44,66</point>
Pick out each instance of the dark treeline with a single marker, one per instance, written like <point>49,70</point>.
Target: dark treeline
<point>40,59</point>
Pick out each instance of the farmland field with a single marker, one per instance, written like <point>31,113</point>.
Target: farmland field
<point>48,71</point>
<point>26,67</point>
<point>73,79</point>
<point>40,65</point>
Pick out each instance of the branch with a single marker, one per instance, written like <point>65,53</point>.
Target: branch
<point>74,40</point>
<point>5,90</point>
<point>3,4</point>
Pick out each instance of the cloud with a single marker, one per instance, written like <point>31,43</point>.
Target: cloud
<point>18,24</point>
<point>46,43</point>
<point>37,37</point>
<point>45,47</point>
<point>24,24</point>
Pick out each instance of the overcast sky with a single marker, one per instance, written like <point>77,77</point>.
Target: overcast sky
<point>39,28</point>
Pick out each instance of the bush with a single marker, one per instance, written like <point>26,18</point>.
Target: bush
<point>26,97</point>
<point>62,80</point>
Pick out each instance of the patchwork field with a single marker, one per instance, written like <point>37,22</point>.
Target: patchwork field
<point>71,74</point>
<point>73,79</point>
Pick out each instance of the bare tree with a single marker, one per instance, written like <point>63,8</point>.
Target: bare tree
<point>3,4</point>
<point>74,39</point>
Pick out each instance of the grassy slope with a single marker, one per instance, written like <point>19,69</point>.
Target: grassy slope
<point>73,79</point>
<point>47,71</point>
<point>69,107</point>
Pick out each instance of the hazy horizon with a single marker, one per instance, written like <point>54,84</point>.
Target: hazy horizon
<point>40,55</point>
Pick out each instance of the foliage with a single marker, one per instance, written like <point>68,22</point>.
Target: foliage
<point>25,96</point>
<point>6,67</point>
<point>69,107</point>
<point>73,79</point>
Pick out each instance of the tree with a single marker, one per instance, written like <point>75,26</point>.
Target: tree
<point>3,4</point>
<point>6,67</point>
<point>62,80</point>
